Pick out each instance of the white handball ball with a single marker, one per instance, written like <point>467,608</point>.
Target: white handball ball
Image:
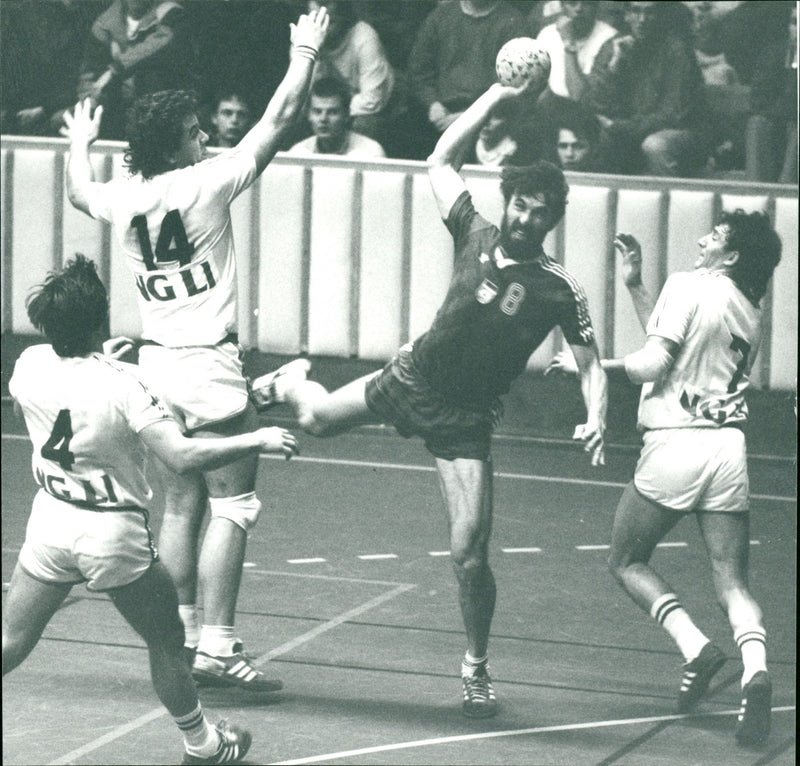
<point>522,59</point>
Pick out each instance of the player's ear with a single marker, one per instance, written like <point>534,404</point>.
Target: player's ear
<point>731,258</point>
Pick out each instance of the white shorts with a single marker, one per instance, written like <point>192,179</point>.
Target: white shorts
<point>202,385</point>
<point>65,543</point>
<point>694,469</point>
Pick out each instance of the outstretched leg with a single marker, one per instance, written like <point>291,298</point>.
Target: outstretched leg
<point>727,540</point>
<point>639,524</point>
<point>29,605</point>
<point>467,489</point>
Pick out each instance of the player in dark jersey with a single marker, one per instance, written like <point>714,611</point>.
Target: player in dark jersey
<point>505,296</point>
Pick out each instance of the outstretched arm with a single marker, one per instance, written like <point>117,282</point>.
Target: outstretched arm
<point>448,154</point>
<point>264,138</point>
<point>631,252</point>
<point>182,454</point>
<point>594,388</point>
<point>81,127</point>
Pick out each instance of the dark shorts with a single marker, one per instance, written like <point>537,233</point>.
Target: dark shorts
<point>400,395</point>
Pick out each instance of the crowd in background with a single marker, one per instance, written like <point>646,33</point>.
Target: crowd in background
<point>690,89</point>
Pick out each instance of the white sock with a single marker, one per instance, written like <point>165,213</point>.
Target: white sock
<point>752,643</point>
<point>200,737</point>
<point>191,624</point>
<point>670,615</point>
<point>470,664</point>
<point>217,640</point>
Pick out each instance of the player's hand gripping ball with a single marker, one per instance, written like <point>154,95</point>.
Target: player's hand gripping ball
<point>522,59</point>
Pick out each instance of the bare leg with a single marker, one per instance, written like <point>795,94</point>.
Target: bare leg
<point>467,489</point>
<point>28,607</point>
<point>638,526</point>
<point>150,605</point>
<point>323,413</point>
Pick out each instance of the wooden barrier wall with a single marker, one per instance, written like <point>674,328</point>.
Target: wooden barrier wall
<point>349,258</point>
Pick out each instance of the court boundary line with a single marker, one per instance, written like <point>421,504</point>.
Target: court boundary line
<point>161,711</point>
<point>513,733</point>
<point>432,469</point>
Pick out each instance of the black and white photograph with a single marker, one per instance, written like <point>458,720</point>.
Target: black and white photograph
<point>399,382</point>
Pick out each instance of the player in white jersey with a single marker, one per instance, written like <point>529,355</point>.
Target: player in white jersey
<point>171,217</point>
<point>702,336</point>
<point>90,418</point>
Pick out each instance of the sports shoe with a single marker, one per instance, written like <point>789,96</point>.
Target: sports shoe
<point>270,389</point>
<point>233,746</point>
<point>697,675</point>
<point>236,670</point>
<point>752,725</point>
<point>479,699</point>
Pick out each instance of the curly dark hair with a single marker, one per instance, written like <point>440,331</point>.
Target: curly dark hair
<point>542,179</point>
<point>69,307</point>
<point>759,248</point>
<point>155,128</point>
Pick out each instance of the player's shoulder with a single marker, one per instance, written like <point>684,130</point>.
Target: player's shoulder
<point>560,274</point>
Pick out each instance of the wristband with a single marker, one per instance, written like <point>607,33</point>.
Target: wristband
<point>306,51</point>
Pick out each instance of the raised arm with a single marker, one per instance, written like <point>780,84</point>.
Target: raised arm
<point>594,389</point>
<point>81,127</point>
<point>451,148</point>
<point>631,253</point>
<point>264,138</point>
<point>182,454</point>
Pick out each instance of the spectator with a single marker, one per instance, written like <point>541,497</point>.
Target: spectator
<point>576,139</point>
<point>232,118</point>
<point>707,27</point>
<point>330,124</point>
<point>453,60</point>
<point>396,25</point>
<point>648,94</point>
<point>771,133</point>
<point>353,52</point>
<point>573,42</point>
<point>136,47</point>
<point>541,13</point>
<point>42,45</point>
<point>496,144</point>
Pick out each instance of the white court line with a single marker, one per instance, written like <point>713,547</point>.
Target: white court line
<point>592,547</point>
<point>153,715</point>
<point>521,550</point>
<point>438,553</point>
<point>512,733</point>
<point>431,469</point>
<point>672,545</point>
<point>376,556</point>
<point>315,560</point>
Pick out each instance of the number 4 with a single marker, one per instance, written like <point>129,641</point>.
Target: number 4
<point>61,433</point>
<point>171,231</point>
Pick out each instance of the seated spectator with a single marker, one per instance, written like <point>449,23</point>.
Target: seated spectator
<point>573,43</point>
<point>330,122</point>
<point>576,138</point>
<point>353,52</point>
<point>707,22</point>
<point>453,60</point>
<point>231,118</point>
<point>648,94</point>
<point>496,144</point>
<point>136,47</point>
<point>42,45</point>
<point>771,132</point>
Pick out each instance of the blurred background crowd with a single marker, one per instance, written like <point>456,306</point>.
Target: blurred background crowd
<point>690,89</point>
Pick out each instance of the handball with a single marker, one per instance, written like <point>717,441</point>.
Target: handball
<point>520,60</point>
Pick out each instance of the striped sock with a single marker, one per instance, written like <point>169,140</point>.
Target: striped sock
<point>670,615</point>
<point>200,736</point>
<point>752,643</point>
<point>470,664</point>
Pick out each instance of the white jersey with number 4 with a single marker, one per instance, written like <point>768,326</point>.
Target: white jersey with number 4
<point>175,229</point>
<point>83,415</point>
<point>718,331</point>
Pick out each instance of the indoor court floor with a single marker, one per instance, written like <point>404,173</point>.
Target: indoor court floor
<point>349,598</point>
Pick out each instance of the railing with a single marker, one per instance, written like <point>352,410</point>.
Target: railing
<point>350,258</point>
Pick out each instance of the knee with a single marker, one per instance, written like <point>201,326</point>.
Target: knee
<point>242,510</point>
<point>620,562</point>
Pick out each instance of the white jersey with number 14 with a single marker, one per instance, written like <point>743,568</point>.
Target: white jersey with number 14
<point>175,229</point>
<point>718,331</point>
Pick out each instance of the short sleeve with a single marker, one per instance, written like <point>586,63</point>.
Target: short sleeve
<point>141,406</point>
<point>674,309</point>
